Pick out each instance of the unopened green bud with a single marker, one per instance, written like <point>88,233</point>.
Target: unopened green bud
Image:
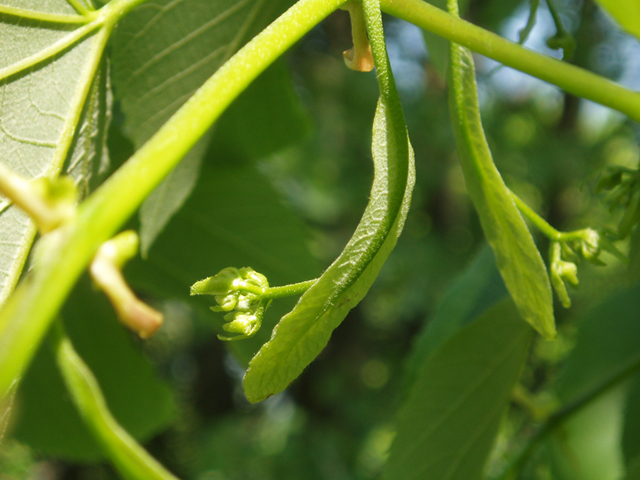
<point>590,246</point>
<point>220,284</point>
<point>226,303</point>
<point>239,293</point>
<point>561,272</point>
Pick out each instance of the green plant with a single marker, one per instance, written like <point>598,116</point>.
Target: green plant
<point>466,366</point>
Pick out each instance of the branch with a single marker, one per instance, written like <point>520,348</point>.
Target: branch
<point>565,412</point>
<point>570,78</point>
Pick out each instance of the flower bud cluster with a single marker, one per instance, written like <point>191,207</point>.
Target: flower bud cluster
<point>567,252</point>
<point>239,293</point>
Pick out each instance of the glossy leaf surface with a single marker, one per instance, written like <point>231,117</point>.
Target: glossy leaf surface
<point>302,334</point>
<point>449,421</point>
<point>517,257</point>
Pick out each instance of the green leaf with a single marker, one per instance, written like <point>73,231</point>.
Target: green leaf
<point>479,287</point>
<point>625,12</point>
<point>630,437</point>
<point>162,53</point>
<point>38,134</point>
<point>265,118</point>
<point>141,402</point>
<point>607,347</point>
<point>517,257</point>
<point>634,256</point>
<point>449,422</point>
<point>302,334</point>
<point>437,46</point>
<point>169,196</point>
<point>587,445</point>
<point>608,342</point>
<point>633,469</point>
<point>232,218</point>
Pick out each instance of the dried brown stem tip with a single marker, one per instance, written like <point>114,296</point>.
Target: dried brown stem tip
<point>105,271</point>
<point>359,57</point>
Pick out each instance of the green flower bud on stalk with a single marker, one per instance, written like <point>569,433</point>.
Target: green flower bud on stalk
<point>561,272</point>
<point>239,292</point>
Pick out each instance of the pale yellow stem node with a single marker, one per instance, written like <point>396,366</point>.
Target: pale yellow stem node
<point>105,271</point>
<point>359,57</point>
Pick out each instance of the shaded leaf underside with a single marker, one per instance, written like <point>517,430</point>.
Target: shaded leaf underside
<point>39,107</point>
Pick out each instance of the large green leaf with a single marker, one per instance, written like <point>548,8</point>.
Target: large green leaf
<point>630,437</point>
<point>302,334</point>
<point>265,118</point>
<point>607,347</point>
<point>40,107</point>
<point>232,218</point>
<point>163,51</point>
<point>633,469</point>
<point>479,287</point>
<point>141,402</point>
<point>587,445</point>
<point>517,257</point>
<point>449,422</point>
<point>608,342</point>
<point>626,13</point>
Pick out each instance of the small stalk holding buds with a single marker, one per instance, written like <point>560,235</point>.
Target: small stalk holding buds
<point>50,202</point>
<point>106,273</point>
<point>245,295</point>
<point>568,248</point>
<point>358,58</point>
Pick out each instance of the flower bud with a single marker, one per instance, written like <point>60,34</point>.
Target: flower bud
<point>220,284</point>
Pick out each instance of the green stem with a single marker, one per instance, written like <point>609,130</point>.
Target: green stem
<point>44,16</point>
<point>288,290</point>
<point>80,7</point>
<point>544,226</point>
<point>556,19</point>
<point>568,77</point>
<point>67,251</point>
<point>540,223</point>
<point>132,461</point>
<point>563,413</point>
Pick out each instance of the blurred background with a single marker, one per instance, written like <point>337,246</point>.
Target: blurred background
<point>336,421</point>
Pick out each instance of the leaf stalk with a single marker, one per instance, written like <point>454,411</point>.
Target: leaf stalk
<point>130,459</point>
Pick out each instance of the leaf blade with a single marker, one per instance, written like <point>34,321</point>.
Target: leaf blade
<point>625,12</point>
<point>449,421</point>
<point>303,333</point>
<point>517,256</point>
<point>159,62</point>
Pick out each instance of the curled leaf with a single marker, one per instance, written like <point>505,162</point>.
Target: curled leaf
<point>302,334</point>
<point>517,256</point>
